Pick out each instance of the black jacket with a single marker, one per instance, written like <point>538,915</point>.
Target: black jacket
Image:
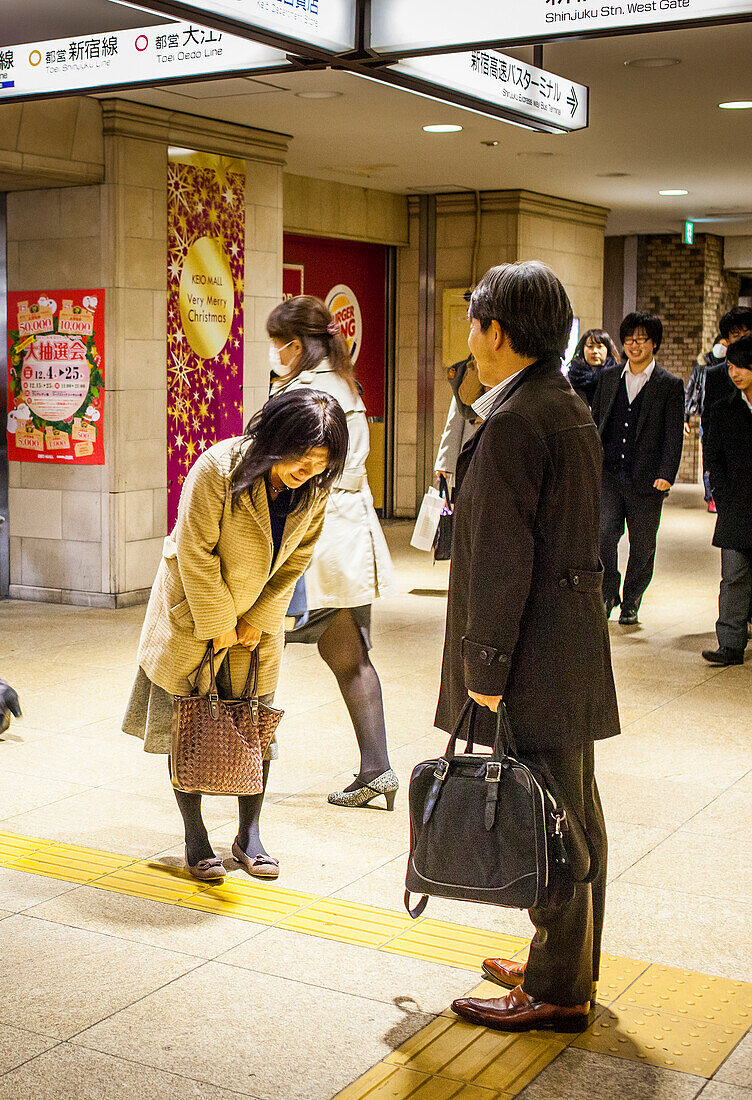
<point>694,392</point>
<point>525,615</point>
<point>660,427</point>
<point>728,455</point>
<point>584,378</point>
<point>717,386</point>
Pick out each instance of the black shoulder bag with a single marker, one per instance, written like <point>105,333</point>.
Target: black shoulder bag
<point>487,828</point>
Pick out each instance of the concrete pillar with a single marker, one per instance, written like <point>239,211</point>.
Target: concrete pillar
<point>93,535</point>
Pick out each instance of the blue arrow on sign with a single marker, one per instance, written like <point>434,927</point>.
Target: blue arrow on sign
<point>573,101</point>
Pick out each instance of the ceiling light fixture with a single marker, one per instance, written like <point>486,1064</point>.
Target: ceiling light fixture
<point>443,128</point>
<point>673,192</point>
<point>652,62</point>
<point>318,95</point>
<point>736,105</point>
<point>490,144</point>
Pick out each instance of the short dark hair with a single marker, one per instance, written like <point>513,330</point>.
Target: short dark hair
<point>639,319</point>
<point>530,305</point>
<point>740,352</point>
<point>738,317</point>
<point>288,426</point>
<point>598,336</point>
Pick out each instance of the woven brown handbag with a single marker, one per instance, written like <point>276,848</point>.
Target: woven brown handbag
<point>218,745</point>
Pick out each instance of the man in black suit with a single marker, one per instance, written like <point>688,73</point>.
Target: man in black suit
<point>732,326</point>
<point>728,451</point>
<point>525,617</point>
<point>639,411</point>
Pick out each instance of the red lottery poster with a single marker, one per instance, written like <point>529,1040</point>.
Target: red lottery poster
<point>56,376</point>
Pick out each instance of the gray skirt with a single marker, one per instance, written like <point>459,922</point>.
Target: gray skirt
<point>149,713</point>
<point>321,619</point>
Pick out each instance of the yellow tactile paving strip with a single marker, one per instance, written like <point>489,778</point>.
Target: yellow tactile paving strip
<point>660,1016</point>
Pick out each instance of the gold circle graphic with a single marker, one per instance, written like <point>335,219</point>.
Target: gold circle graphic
<point>35,57</point>
<point>207,297</point>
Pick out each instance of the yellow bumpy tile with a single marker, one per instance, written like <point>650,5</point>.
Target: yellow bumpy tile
<point>68,862</point>
<point>454,944</point>
<point>616,976</point>
<point>697,996</point>
<point>659,1039</point>
<point>13,847</point>
<point>348,922</point>
<point>246,901</point>
<point>389,1082</point>
<point>153,881</point>
<point>477,1056</point>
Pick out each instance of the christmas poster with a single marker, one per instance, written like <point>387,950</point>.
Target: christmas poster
<point>56,376</point>
<point>205,269</point>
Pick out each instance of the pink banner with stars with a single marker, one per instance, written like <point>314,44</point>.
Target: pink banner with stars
<point>205,271</point>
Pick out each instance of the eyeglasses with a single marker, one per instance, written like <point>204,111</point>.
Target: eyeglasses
<point>639,340</point>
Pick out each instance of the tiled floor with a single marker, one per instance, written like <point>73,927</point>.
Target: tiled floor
<point>142,986</point>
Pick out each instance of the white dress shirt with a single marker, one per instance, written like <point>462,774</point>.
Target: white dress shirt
<point>635,382</point>
<point>745,398</point>
<point>483,405</point>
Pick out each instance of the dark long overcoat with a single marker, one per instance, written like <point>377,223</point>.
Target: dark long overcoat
<point>728,453</point>
<point>525,616</point>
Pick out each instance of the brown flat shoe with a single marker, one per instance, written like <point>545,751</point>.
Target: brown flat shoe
<point>504,972</point>
<point>517,1011</point>
<point>509,973</point>
<point>206,870</point>
<point>260,866</point>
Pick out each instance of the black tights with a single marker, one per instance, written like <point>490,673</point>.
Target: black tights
<point>196,837</point>
<point>342,647</point>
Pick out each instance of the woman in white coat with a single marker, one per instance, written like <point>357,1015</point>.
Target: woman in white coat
<point>351,564</point>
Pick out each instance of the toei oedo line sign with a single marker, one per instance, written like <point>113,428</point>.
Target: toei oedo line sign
<point>401,26</point>
<point>143,55</point>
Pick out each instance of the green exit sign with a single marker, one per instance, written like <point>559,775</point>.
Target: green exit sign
<point>689,232</point>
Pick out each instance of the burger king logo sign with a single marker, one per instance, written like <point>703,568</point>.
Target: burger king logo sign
<point>343,306</point>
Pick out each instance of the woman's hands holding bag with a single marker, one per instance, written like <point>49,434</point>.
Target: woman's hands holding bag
<point>248,636</point>
<point>244,634</point>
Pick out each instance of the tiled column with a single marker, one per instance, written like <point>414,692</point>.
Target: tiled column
<point>94,534</point>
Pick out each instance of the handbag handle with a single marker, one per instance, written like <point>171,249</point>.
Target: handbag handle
<point>444,490</point>
<point>250,690</point>
<point>504,742</point>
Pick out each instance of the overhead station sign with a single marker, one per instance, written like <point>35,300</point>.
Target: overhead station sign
<point>401,26</point>
<point>501,86</point>
<point>327,25</point>
<point>172,51</point>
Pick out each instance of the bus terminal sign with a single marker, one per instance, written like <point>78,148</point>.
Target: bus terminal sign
<point>399,26</point>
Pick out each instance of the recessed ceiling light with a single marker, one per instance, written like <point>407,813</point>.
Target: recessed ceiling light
<point>672,192</point>
<point>612,175</point>
<point>443,128</point>
<point>490,144</point>
<point>736,105</point>
<point>318,95</point>
<point>653,62</point>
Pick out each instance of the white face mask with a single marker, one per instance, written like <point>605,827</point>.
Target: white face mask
<point>719,351</point>
<point>275,363</point>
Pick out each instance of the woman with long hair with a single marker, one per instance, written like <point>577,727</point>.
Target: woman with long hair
<point>594,351</point>
<point>250,512</point>
<point>351,564</point>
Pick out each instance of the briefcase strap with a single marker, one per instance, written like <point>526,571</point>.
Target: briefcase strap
<point>418,909</point>
<point>504,742</point>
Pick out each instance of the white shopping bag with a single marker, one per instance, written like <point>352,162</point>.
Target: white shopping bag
<point>427,522</point>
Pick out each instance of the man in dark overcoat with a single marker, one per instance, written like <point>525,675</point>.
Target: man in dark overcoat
<point>525,617</point>
<point>728,452</point>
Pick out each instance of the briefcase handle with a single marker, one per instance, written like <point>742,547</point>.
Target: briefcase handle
<point>504,742</point>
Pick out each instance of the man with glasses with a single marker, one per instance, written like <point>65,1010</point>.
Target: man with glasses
<point>639,410</point>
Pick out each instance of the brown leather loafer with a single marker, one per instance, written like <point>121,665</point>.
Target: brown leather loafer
<point>504,972</point>
<point>509,973</point>
<point>517,1011</point>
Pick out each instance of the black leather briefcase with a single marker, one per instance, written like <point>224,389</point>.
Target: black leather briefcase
<point>442,544</point>
<point>485,828</point>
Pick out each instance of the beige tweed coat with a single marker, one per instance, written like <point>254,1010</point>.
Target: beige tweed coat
<point>217,568</point>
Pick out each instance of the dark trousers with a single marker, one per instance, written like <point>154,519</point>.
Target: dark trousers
<point>734,598</point>
<point>620,504</point>
<point>565,952</point>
